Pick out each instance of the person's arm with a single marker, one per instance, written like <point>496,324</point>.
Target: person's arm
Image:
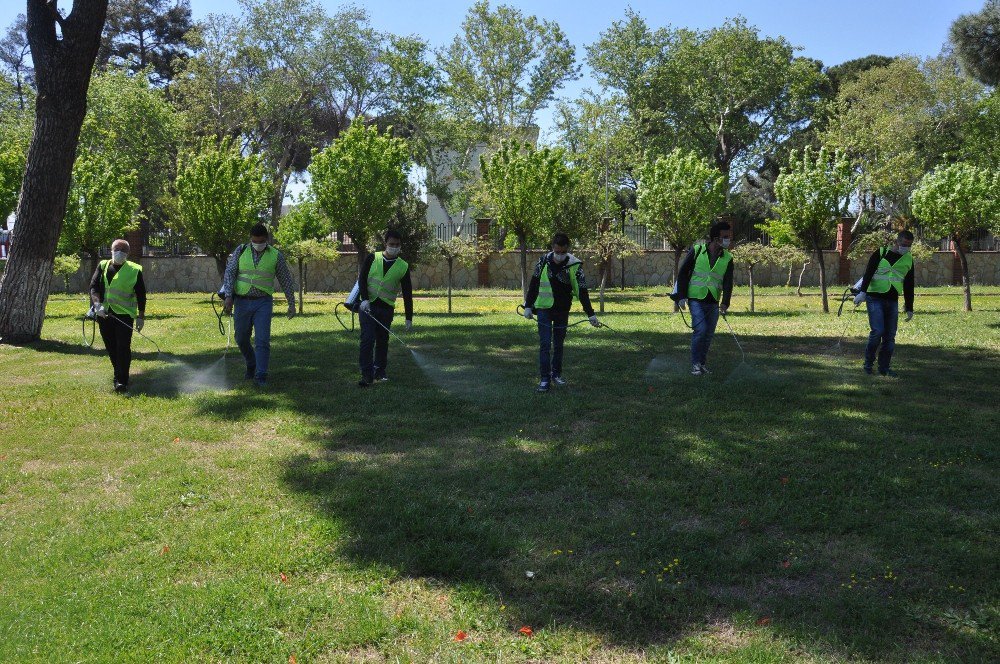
<point>363,278</point>
<point>873,262</point>
<point>140,295</point>
<point>406,286</point>
<point>229,276</point>
<point>529,300</point>
<point>285,279</point>
<point>684,275</point>
<point>581,280</point>
<point>727,286</point>
<point>908,291</point>
<point>97,286</point>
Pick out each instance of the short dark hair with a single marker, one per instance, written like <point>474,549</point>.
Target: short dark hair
<point>905,235</point>
<point>717,228</point>
<point>391,234</point>
<point>259,230</point>
<point>560,239</point>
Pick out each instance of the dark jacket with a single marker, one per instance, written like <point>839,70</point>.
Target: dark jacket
<point>562,288</point>
<point>97,286</point>
<point>687,268</point>
<point>891,294</point>
<point>405,285</point>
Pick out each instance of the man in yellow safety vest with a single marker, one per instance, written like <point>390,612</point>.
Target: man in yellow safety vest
<point>383,276</point>
<point>705,282</point>
<point>248,283</point>
<point>889,273</point>
<point>118,294</point>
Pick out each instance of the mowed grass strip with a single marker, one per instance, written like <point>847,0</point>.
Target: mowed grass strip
<point>787,508</point>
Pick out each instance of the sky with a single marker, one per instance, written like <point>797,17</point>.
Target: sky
<point>832,31</point>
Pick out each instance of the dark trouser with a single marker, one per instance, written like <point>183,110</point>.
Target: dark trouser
<point>704,318</point>
<point>253,315</point>
<point>374,336</point>
<point>551,332</point>
<point>117,336</point>
<point>883,317</point>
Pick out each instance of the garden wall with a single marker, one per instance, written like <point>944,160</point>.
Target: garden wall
<point>653,268</point>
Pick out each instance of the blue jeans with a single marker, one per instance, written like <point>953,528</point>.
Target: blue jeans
<point>883,317</point>
<point>551,328</point>
<point>254,315</point>
<point>704,318</point>
<point>374,337</point>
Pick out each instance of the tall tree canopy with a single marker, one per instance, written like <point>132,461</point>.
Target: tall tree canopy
<point>976,38</point>
<point>147,34</point>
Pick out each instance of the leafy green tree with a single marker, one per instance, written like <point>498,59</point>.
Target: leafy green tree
<point>728,93</point>
<point>358,182</point>
<point>146,36</point>
<point>410,220</point>
<point>811,197</point>
<point>864,245</point>
<point>786,252</point>
<point>956,200</point>
<point>12,160</point>
<point>982,133</point>
<point>221,194</point>
<point>609,244</point>
<point>752,254</point>
<point>65,266</point>
<point>524,188</point>
<point>504,67</point>
<point>15,58</point>
<point>679,195</point>
<point>976,37</point>
<point>459,250</point>
<point>102,206</point>
<point>304,236</point>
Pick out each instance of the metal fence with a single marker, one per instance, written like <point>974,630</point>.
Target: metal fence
<point>170,243</point>
<point>448,230</point>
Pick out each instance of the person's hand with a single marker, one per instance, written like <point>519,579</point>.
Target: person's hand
<point>593,321</point>
<point>527,313</point>
<point>291,310</point>
<point>909,316</point>
<point>366,306</point>
<point>140,322</point>
<point>101,311</point>
<point>682,303</point>
<point>227,306</point>
<point>859,298</point>
<point>723,309</point>
<point>409,325</point>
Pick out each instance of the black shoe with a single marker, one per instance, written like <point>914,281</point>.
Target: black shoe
<point>888,373</point>
<point>364,382</point>
<point>250,373</point>
<point>120,388</point>
<point>260,381</point>
<point>868,370</point>
<point>542,386</point>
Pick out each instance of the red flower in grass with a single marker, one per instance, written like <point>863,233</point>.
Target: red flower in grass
<point>165,550</point>
<point>292,660</point>
<point>784,480</point>
<point>284,579</point>
<point>461,636</point>
<point>764,622</point>
<point>786,563</point>
<point>526,631</point>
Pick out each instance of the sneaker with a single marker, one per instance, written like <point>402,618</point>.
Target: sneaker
<point>381,378</point>
<point>120,388</point>
<point>364,382</point>
<point>542,386</point>
<point>250,373</point>
<point>559,380</point>
<point>888,373</point>
<point>696,370</point>
<point>704,369</point>
<point>868,369</point>
<point>260,381</point>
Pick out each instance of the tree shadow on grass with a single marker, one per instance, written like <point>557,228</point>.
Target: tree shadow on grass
<point>843,508</point>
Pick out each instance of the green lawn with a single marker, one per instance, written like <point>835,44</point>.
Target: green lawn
<point>785,509</point>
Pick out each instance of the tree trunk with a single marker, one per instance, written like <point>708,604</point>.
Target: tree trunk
<point>822,278</point>
<point>522,242</point>
<point>604,280</point>
<point>302,282</point>
<point>450,262</point>
<point>788,282</point>
<point>802,273</point>
<point>62,74</point>
<point>967,287</point>
<point>750,272</point>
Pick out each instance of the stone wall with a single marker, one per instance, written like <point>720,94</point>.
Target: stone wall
<point>654,268</point>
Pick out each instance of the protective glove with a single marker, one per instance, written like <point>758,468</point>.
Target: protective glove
<point>140,322</point>
<point>909,316</point>
<point>527,313</point>
<point>227,307</point>
<point>723,309</point>
<point>682,303</point>
<point>409,325</point>
<point>291,310</point>
<point>101,311</point>
<point>366,306</point>
<point>859,298</point>
<point>593,321</point>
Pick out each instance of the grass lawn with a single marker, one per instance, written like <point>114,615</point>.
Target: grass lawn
<point>788,508</point>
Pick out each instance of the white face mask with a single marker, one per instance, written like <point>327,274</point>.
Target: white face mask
<point>725,242</point>
<point>119,257</point>
<point>902,250</point>
<point>559,257</point>
<point>259,246</point>
<point>392,252</point>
